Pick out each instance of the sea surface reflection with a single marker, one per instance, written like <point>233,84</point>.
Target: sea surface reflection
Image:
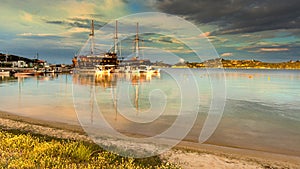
<point>261,112</point>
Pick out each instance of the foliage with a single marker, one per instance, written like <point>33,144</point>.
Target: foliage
<point>19,150</point>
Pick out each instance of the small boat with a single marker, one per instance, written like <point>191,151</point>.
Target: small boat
<point>144,69</point>
<point>57,70</point>
<point>48,69</point>
<point>124,69</point>
<point>28,73</point>
<point>128,69</point>
<point>4,73</point>
<point>154,70</point>
<point>104,69</point>
<point>24,74</point>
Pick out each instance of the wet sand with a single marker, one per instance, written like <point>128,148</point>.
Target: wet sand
<point>187,154</point>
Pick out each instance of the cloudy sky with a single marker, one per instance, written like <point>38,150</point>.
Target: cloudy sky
<point>267,30</point>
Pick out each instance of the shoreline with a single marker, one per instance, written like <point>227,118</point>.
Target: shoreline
<point>183,153</point>
<point>237,68</point>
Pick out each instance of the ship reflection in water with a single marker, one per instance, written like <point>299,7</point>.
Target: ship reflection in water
<point>110,81</point>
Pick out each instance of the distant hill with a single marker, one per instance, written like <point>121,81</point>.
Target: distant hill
<point>244,64</point>
<point>12,58</point>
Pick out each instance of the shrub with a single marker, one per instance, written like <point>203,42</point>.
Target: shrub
<point>29,151</point>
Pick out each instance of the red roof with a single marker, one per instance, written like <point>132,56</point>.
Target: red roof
<point>40,61</point>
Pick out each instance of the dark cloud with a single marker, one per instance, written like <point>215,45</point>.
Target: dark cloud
<point>257,48</point>
<point>237,16</point>
<point>55,22</point>
<point>76,22</point>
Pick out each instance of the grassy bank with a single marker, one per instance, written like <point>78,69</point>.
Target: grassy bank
<point>32,143</point>
<point>26,150</point>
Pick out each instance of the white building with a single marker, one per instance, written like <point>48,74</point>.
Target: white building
<point>21,63</point>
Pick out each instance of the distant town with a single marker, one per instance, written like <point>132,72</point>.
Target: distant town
<point>17,64</point>
<point>12,64</point>
<point>240,64</point>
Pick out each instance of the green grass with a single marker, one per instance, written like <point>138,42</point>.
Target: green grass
<point>25,150</point>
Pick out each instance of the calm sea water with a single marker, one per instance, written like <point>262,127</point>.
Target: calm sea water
<point>261,112</point>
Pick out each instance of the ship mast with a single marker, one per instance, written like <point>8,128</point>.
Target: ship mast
<point>116,38</point>
<point>6,56</point>
<point>92,37</point>
<point>137,41</point>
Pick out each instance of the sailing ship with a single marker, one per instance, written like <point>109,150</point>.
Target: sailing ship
<point>109,62</point>
<point>98,63</point>
<point>135,64</point>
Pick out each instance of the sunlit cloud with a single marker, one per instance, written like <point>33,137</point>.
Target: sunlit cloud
<point>78,30</point>
<point>27,17</point>
<point>205,34</point>
<point>112,8</point>
<point>226,54</point>
<point>77,8</point>
<point>273,49</point>
<point>245,35</point>
<point>32,34</point>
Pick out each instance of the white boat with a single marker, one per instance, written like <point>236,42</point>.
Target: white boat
<point>147,69</point>
<point>143,69</point>
<point>153,70</point>
<point>128,69</point>
<point>104,69</point>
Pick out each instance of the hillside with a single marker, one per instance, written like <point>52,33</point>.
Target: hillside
<point>12,58</point>
<point>244,64</point>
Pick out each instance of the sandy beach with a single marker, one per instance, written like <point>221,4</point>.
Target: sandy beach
<point>186,154</point>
